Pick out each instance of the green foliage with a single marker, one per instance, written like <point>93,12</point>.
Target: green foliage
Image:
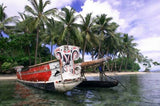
<point>156,63</point>
<point>119,64</point>
<point>2,14</point>
<point>8,66</point>
<point>78,61</point>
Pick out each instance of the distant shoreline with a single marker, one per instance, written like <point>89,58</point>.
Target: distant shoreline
<point>114,73</point>
<point>14,77</point>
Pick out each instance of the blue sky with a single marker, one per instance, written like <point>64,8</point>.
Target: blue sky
<point>140,18</point>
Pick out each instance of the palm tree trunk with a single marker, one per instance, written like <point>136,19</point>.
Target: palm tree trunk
<point>133,67</point>
<point>112,64</point>
<point>126,64</point>
<point>51,50</point>
<point>84,49</point>
<point>68,38</point>
<point>115,66</point>
<point>37,38</point>
<point>92,54</point>
<point>107,50</point>
<point>108,66</point>
<point>120,67</point>
<point>99,50</point>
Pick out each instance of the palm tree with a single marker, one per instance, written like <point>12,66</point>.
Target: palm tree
<point>147,63</point>
<point>121,52</point>
<point>2,13</point>
<point>24,24</point>
<point>40,17</point>
<point>111,46</point>
<point>54,29</point>
<point>4,20</point>
<point>135,56</point>
<point>102,28</point>
<point>2,17</point>
<point>112,39</point>
<point>23,29</point>
<point>87,33</point>
<point>128,47</point>
<point>70,32</point>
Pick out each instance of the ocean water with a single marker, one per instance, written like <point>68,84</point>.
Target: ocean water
<point>139,90</point>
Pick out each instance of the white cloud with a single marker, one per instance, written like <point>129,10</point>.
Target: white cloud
<point>149,44</point>
<point>15,6</point>
<point>143,18</point>
<point>138,31</point>
<point>98,8</point>
<point>62,3</point>
<point>150,47</point>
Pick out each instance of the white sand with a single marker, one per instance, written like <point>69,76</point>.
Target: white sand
<point>114,73</point>
<point>8,77</point>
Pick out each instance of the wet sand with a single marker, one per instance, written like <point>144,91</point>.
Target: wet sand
<point>13,76</point>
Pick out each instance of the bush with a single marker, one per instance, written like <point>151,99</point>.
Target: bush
<point>7,67</point>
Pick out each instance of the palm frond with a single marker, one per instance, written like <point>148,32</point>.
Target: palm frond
<point>34,4</point>
<point>46,3</point>
<point>50,11</point>
<point>61,18</point>
<point>40,6</point>
<point>61,37</point>
<point>11,19</point>
<point>30,10</point>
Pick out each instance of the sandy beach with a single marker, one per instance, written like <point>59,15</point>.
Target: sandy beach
<point>13,76</point>
<point>114,73</point>
<point>8,77</point>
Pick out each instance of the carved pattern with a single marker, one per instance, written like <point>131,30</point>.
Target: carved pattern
<point>67,54</point>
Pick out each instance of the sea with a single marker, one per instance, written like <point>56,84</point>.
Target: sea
<point>133,90</point>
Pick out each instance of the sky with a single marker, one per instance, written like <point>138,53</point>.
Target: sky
<point>139,18</point>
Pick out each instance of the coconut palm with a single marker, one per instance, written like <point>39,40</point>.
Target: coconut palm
<point>112,46</point>
<point>121,53</point>
<point>128,47</point>
<point>112,39</point>
<point>2,13</point>
<point>53,30</point>
<point>87,33</point>
<point>24,31</point>
<point>102,27</point>
<point>24,24</point>
<point>4,20</point>
<point>2,17</point>
<point>70,32</point>
<point>147,63</point>
<point>40,17</point>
